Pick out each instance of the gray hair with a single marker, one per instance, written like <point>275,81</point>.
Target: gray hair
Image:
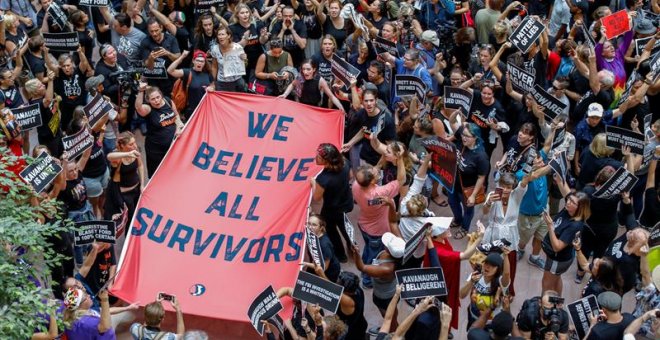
<point>606,77</point>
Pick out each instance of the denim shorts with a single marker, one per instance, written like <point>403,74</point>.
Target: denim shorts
<point>96,185</point>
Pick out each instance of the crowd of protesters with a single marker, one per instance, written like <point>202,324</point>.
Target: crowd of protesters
<point>140,56</point>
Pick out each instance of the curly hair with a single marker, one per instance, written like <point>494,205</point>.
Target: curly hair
<point>331,155</point>
<point>335,328</point>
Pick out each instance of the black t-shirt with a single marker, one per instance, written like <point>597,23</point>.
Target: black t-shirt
<point>99,274</point>
<point>604,98</point>
<point>536,66</point>
<point>314,29</point>
<point>253,48</point>
<point>73,93</point>
<point>11,97</point>
<point>328,251</point>
<point>482,334</point>
<point>529,320</point>
<point>651,213</point>
<point>603,220</point>
<point>289,43</point>
<point>384,89</point>
<point>110,84</point>
<point>387,134</point>
<point>50,129</point>
<point>605,330</point>
<point>74,196</point>
<point>163,80</point>
<point>339,34</point>
<point>591,165</point>
<point>480,113</point>
<point>87,43</point>
<point>565,230</point>
<point>197,87</point>
<point>518,156</point>
<point>324,68</point>
<point>37,65</point>
<point>337,194</point>
<point>628,264</point>
<point>161,123</point>
<point>97,164</point>
<point>471,165</point>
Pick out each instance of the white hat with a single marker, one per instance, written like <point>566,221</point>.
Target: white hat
<point>438,229</point>
<point>430,36</point>
<point>595,110</point>
<point>395,245</point>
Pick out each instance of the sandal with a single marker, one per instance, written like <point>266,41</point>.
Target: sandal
<point>443,202</point>
<point>454,225</point>
<point>459,234</point>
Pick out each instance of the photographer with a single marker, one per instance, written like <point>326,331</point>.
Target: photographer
<point>543,317</point>
<point>154,313</point>
<point>610,323</point>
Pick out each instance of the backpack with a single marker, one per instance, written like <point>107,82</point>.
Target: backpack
<point>180,93</point>
<point>158,335</point>
<point>530,311</point>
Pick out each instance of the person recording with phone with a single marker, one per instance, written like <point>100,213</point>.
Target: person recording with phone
<point>543,318</point>
<point>609,322</point>
<point>154,314</point>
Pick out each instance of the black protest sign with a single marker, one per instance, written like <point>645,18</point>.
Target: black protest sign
<point>629,84</point>
<point>421,282</point>
<point>204,6</point>
<point>414,241</point>
<point>41,172</point>
<point>350,230</point>
<point>580,311</point>
<point>654,236</point>
<point>443,160</point>
<point>526,34</point>
<point>315,290</point>
<point>521,80</point>
<point>59,16</point>
<point>265,306</point>
<point>407,85</point>
<point>619,137</point>
<point>560,136</point>
<point>640,44</point>
<point>655,65</point>
<point>621,181</point>
<point>588,38</point>
<point>94,3</point>
<point>88,232</point>
<point>159,71</point>
<point>76,144</point>
<point>383,45</point>
<point>62,41</point>
<point>342,70</point>
<point>314,247</point>
<point>648,132</point>
<point>458,98</point>
<point>96,109</point>
<point>28,117</point>
<point>559,165</point>
<point>553,106</point>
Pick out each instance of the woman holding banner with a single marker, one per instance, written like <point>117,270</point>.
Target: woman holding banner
<point>310,87</point>
<point>226,53</point>
<point>332,267</point>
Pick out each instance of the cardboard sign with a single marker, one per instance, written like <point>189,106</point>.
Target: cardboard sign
<point>28,117</point>
<point>350,230</point>
<point>343,70</point>
<point>616,24</point>
<point>559,165</point>
<point>527,33</point>
<point>265,306</point>
<point>59,16</point>
<point>588,38</point>
<point>232,64</point>
<point>94,3</point>
<point>88,232</point>
<point>96,109</point>
<point>41,172</point>
<point>521,80</point>
<point>76,144</point>
<point>553,106</point>
<point>421,282</point>
<point>66,42</point>
<point>407,85</point>
<point>313,289</point>
<point>641,43</point>
<point>414,241</point>
<point>458,98</point>
<point>443,160</point>
<point>314,247</point>
<point>621,181</point>
<point>382,45</point>
<point>619,137</point>
<point>580,311</point>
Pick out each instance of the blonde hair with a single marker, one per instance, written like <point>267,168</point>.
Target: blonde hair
<point>416,205</point>
<point>10,19</point>
<point>154,313</point>
<point>31,86</point>
<point>599,146</point>
<point>238,8</point>
<point>501,29</point>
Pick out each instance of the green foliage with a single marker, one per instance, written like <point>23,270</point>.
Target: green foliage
<point>25,255</point>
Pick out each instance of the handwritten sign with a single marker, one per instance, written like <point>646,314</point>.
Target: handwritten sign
<point>233,65</point>
<point>616,24</point>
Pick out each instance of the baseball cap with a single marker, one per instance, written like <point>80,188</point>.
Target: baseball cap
<point>610,301</point>
<point>502,324</point>
<point>199,54</point>
<point>494,259</point>
<point>430,36</point>
<point>595,110</point>
<point>395,245</point>
<point>94,82</point>
<point>438,229</point>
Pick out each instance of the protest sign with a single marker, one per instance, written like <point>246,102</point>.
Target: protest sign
<point>443,160</point>
<point>28,117</point>
<point>526,34</point>
<point>76,144</point>
<point>629,84</point>
<point>616,24</point>
<point>62,41</point>
<point>655,66</point>
<point>314,247</point>
<point>159,71</point>
<point>621,181</point>
<point>414,241</point>
<point>315,290</point>
<point>648,132</point>
<point>242,166</point>
<point>588,38</point>
<point>553,106</point>
<point>41,172</point>
<point>560,136</point>
<point>421,282</point>
<point>640,44</point>
<point>88,232</point>
<point>382,45</point>
<point>343,70</point>
<point>58,15</point>
<point>458,98</point>
<point>265,306</point>
<point>203,6</point>
<point>559,165</point>
<point>350,230</point>
<point>96,109</point>
<point>521,80</point>
<point>619,137</point>
<point>94,3</point>
<point>408,85</point>
<point>233,65</point>
<point>580,311</point>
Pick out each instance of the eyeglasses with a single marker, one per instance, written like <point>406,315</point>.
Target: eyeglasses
<point>468,136</point>
<point>408,58</point>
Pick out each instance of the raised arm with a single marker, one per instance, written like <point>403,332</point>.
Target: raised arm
<point>164,20</point>
<point>173,69</point>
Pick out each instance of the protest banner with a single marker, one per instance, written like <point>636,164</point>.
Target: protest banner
<point>408,85</point>
<point>343,70</point>
<point>28,117</point>
<point>233,64</point>
<point>414,241</point>
<point>559,165</point>
<point>41,172</point>
<point>616,24</point>
<point>640,44</point>
<point>96,109</point>
<point>382,45</point>
<point>350,230</point>
<point>314,247</point>
<point>88,232</point>
<point>580,311</point>
<point>527,33</point>
<point>458,98</point>
<point>58,15</point>
<point>242,167</point>
<point>619,137</point>
<point>553,106</point>
<point>315,290</point>
<point>76,144</point>
<point>66,42</point>
<point>588,38</point>
<point>94,3</point>
<point>265,306</point>
<point>521,80</point>
<point>421,282</point>
<point>203,6</point>
<point>621,181</point>
<point>443,160</point>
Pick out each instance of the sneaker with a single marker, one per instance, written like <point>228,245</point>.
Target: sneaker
<point>494,246</point>
<point>539,262</point>
<point>520,254</point>
<point>578,277</point>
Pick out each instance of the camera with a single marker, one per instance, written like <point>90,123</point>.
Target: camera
<point>553,315</point>
<point>128,79</point>
<point>375,201</point>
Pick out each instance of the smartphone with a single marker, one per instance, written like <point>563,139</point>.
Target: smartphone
<point>577,235</point>
<point>166,297</point>
<point>375,201</point>
<point>499,191</point>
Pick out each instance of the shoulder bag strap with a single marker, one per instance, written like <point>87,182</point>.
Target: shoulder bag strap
<point>189,79</point>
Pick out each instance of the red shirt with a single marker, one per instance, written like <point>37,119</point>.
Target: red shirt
<point>450,261</point>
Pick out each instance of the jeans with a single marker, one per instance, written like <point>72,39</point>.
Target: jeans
<point>462,214</point>
<point>109,145</point>
<point>373,245</point>
<point>82,215</point>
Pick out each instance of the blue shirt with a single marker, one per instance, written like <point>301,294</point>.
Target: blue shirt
<point>430,19</point>
<point>536,197</point>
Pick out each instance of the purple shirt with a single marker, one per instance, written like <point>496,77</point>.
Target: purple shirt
<point>87,328</point>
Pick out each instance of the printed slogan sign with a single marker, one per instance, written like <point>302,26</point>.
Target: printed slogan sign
<point>41,172</point>
<point>313,289</point>
<point>526,34</point>
<point>421,282</point>
<point>443,160</point>
<point>62,41</point>
<point>232,222</point>
<point>580,312</point>
<point>88,232</point>
<point>621,181</point>
<point>264,307</point>
<point>28,117</point>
